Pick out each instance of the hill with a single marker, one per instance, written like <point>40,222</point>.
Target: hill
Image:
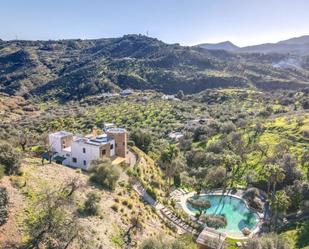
<point>297,46</point>
<point>74,69</point>
<point>227,45</point>
<point>116,209</point>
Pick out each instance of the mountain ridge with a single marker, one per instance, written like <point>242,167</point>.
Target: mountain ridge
<point>74,69</point>
<point>295,45</point>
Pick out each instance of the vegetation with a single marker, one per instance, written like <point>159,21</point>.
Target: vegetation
<point>104,173</point>
<point>52,226</point>
<point>75,69</point>
<point>185,242</point>
<point>4,202</point>
<point>9,158</point>
<point>270,241</point>
<point>91,206</point>
<point>231,138</point>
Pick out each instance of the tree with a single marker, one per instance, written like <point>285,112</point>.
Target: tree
<point>279,203</point>
<point>169,161</point>
<point>142,139</point>
<point>289,166</point>
<point>228,127</point>
<point>54,223</point>
<point>9,158</point>
<point>273,174</point>
<point>104,173</point>
<point>214,221</point>
<point>200,204</point>
<point>200,133</point>
<point>270,241</point>
<point>135,226</point>
<point>216,177</point>
<point>23,139</point>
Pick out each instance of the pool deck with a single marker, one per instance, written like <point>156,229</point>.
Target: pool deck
<point>236,194</point>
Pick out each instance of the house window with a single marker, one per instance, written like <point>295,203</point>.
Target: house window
<point>112,146</point>
<point>115,144</point>
<point>103,152</point>
<point>74,160</point>
<point>123,143</point>
<point>84,150</point>
<point>85,163</point>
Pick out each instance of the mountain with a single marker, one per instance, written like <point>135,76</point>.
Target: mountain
<point>296,46</point>
<point>74,69</point>
<point>227,45</point>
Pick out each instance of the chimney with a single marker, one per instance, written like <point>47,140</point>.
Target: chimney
<point>94,132</point>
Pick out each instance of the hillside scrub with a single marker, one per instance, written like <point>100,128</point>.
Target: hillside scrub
<point>9,158</point>
<point>104,173</point>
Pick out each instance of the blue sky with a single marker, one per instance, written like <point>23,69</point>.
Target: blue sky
<point>188,22</point>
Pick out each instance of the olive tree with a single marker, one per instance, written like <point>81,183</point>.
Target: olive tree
<point>104,173</point>
<point>200,204</point>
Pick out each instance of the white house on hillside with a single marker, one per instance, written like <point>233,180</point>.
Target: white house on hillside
<point>79,151</point>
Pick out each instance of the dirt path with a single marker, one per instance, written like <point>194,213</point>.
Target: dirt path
<point>10,232</point>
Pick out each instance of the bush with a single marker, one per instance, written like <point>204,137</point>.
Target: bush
<point>9,158</point>
<point>215,221</point>
<point>115,207</point>
<point>4,201</point>
<point>268,241</point>
<point>104,173</point>
<point>91,205</point>
<point>141,139</point>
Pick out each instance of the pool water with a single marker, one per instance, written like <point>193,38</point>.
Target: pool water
<point>237,214</point>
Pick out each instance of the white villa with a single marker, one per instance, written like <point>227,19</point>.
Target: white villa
<point>78,151</point>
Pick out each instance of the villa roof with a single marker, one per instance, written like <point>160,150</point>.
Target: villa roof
<point>97,141</point>
<point>116,130</point>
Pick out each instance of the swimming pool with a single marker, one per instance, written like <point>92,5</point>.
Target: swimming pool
<point>237,214</point>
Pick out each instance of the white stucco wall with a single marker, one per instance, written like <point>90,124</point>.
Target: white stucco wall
<point>92,152</point>
<point>55,142</point>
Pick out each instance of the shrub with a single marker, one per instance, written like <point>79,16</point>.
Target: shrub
<point>115,207</point>
<point>215,221</point>
<point>104,173</point>
<point>91,205</point>
<point>4,201</point>
<point>125,202</point>
<point>141,139</point>
<point>268,241</point>
<point>9,158</point>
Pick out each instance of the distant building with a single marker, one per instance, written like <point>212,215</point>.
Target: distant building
<point>170,97</point>
<point>79,151</point>
<point>126,92</point>
<point>175,135</point>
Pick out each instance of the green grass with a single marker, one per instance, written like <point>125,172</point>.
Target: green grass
<point>298,235</point>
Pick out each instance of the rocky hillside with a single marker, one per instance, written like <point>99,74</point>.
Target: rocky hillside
<point>73,69</point>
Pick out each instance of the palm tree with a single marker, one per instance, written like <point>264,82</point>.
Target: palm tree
<point>273,174</point>
<point>169,159</point>
<point>280,203</point>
